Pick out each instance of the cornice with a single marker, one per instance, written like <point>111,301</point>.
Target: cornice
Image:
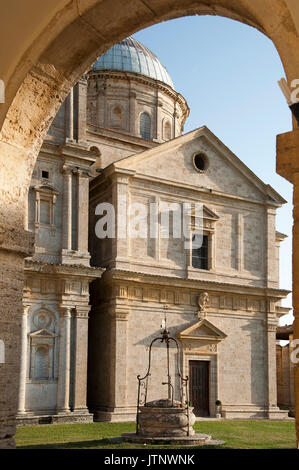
<point>138,78</point>
<point>115,275</point>
<point>63,269</point>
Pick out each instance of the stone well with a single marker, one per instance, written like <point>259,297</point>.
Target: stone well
<point>161,418</point>
<point>166,421</point>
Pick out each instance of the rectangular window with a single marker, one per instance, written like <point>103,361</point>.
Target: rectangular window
<point>200,255</point>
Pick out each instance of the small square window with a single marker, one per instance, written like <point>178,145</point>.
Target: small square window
<point>45,174</point>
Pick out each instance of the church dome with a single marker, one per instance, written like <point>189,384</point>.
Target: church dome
<point>132,56</point>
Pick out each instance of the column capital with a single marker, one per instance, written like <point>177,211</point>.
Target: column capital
<point>82,311</point>
<point>271,327</point>
<point>65,310</point>
<point>67,170</point>
<point>119,313</point>
<point>81,172</point>
<point>26,309</point>
<point>132,94</point>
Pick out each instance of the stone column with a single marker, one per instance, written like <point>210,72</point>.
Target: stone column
<point>63,386</point>
<point>23,367</point>
<point>67,208</point>
<point>80,362</point>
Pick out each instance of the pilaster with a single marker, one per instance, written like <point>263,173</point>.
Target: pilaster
<point>80,361</point>
<point>69,117</point>
<point>81,108</point>
<point>119,362</point>
<point>67,208</point>
<point>82,208</point>
<point>132,113</point>
<point>271,325</point>
<point>270,240</point>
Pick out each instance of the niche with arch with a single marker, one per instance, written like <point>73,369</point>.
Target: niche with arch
<point>117,117</point>
<point>42,346</point>
<point>166,129</point>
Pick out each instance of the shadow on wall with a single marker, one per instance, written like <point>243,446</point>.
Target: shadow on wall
<point>254,340</point>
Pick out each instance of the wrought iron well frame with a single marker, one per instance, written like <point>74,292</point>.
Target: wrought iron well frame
<point>143,381</point>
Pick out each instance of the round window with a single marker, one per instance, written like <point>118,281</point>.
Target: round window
<point>200,162</point>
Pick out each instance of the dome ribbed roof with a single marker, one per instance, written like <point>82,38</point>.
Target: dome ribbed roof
<point>132,56</point>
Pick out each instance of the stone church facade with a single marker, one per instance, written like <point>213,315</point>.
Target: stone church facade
<point>92,305</point>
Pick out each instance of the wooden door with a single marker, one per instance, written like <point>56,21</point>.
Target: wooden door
<point>199,387</point>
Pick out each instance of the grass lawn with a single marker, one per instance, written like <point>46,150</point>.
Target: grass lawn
<point>236,434</point>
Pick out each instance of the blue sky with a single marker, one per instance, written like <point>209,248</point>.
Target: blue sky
<point>228,73</point>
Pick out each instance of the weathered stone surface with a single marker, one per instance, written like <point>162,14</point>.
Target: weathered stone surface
<point>164,422</point>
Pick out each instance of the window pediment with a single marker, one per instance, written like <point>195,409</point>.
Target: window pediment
<point>209,214</point>
<point>42,333</point>
<point>203,218</point>
<point>202,330</point>
<point>45,200</point>
<point>46,188</point>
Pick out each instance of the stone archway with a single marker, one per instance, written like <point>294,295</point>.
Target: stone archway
<point>66,38</point>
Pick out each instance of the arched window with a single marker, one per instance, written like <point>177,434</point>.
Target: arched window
<point>145,126</point>
<point>167,130</point>
<point>116,117</point>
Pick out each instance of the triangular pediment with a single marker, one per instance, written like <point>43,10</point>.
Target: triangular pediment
<point>171,162</point>
<point>208,213</point>
<point>202,330</point>
<point>43,332</point>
